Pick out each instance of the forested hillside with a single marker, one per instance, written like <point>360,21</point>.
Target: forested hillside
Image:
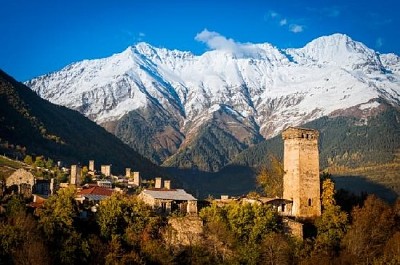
<point>31,125</point>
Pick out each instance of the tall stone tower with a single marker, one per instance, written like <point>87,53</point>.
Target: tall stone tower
<point>301,182</point>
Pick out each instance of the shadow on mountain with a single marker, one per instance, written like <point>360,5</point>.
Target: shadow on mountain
<point>359,185</point>
<point>239,180</point>
<point>232,180</point>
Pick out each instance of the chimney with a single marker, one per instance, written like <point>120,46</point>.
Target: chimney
<point>158,183</point>
<point>127,172</point>
<point>167,184</point>
<point>136,178</point>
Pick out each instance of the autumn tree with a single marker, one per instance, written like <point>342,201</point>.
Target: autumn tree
<point>56,219</point>
<point>270,178</point>
<point>332,224</point>
<point>20,239</point>
<point>275,249</point>
<point>372,226</point>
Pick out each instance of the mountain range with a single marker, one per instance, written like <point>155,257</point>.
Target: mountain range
<point>34,126</point>
<point>201,111</point>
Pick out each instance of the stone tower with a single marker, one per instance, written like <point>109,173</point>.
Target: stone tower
<point>91,165</point>
<point>301,182</point>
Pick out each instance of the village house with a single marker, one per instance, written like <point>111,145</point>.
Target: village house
<point>166,200</point>
<point>21,182</point>
<point>89,197</point>
<point>25,183</point>
<point>93,193</point>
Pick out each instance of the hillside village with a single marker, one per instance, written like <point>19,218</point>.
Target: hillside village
<point>301,156</point>
<point>105,204</point>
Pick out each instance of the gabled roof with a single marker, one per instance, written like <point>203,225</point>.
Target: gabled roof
<point>96,190</point>
<point>95,193</point>
<point>169,194</point>
<point>274,200</point>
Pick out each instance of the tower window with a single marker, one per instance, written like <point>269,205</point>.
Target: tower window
<point>309,202</point>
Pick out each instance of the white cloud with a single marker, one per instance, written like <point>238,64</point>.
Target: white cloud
<point>216,41</point>
<point>379,42</point>
<point>295,28</point>
<point>272,14</point>
<point>284,22</point>
<point>141,34</point>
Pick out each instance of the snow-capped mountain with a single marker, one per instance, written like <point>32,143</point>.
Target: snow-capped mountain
<point>158,99</point>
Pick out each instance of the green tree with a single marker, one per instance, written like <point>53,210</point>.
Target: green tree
<point>39,161</point>
<point>332,224</point>
<point>56,219</point>
<point>28,160</point>
<point>270,178</point>
<point>119,212</point>
<point>49,164</point>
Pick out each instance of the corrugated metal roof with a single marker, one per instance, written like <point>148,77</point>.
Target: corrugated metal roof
<point>95,197</point>
<point>173,194</point>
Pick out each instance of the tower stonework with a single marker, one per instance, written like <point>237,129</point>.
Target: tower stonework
<point>301,182</point>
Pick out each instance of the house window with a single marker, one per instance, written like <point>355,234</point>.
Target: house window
<point>309,202</point>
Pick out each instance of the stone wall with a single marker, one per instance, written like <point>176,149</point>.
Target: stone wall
<point>301,182</point>
<point>184,231</point>
<point>294,228</point>
<point>23,181</point>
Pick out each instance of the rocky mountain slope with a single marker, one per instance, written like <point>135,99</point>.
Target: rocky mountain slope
<point>185,110</point>
<point>32,125</point>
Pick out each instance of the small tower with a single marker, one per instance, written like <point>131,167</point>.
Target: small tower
<point>75,176</point>
<point>91,165</point>
<point>301,182</point>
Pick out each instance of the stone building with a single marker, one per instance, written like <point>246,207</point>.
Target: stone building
<point>127,172</point>
<point>106,170</point>
<point>301,181</point>
<point>21,182</point>
<point>166,200</point>
<point>91,165</point>
<point>75,175</point>
<point>134,181</point>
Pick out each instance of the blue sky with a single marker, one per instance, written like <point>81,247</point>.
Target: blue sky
<point>42,36</point>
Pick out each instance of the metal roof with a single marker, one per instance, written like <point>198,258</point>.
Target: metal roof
<point>172,194</point>
<point>95,197</point>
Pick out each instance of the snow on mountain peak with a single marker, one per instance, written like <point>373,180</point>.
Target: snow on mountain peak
<point>339,49</point>
<point>271,88</point>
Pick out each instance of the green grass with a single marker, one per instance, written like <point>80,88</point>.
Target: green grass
<point>8,166</point>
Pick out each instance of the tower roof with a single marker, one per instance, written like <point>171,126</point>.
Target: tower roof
<point>297,132</point>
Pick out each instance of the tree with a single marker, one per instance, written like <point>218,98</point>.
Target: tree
<point>270,178</point>
<point>332,224</point>
<point>39,161</point>
<point>56,219</point>
<point>20,239</point>
<point>372,226</point>
<point>119,212</point>
<point>49,164</point>
<point>86,177</point>
<point>275,249</point>
<point>28,160</point>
